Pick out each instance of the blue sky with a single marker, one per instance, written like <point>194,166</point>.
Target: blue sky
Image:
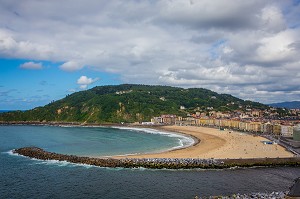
<point>23,89</point>
<point>48,49</point>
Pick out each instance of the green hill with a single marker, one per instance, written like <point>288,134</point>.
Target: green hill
<point>129,103</point>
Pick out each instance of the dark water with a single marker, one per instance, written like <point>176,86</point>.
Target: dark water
<point>22,177</point>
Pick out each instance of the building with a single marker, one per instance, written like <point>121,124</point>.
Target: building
<point>256,113</point>
<point>296,133</point>
<point>242,126</point>
<point>267,128</point>
<point>277,129</point>
<point>190,121</point>
<point>202,121</point>
<point>182,107</point>
<point>254,127</point>
<point>287,131</point>
<point>168,119</point>
<point>157,120</point>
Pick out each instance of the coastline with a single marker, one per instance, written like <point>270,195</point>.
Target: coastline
<point>213,143</point>
<point>213,149</point>
<point>161,130</point>
<point>208,142</point>
<point>143,128</point>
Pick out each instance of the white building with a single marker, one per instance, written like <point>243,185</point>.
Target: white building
<point>287,131</point>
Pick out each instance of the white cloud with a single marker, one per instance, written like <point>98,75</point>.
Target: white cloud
<point>272,19</point>
<point>32,66</point>
<point>84,81</point>
<point>71,66</point>
<point>231,46</point>
<point>12,47</point>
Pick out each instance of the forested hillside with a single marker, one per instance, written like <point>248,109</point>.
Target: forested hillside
<point>130,103</point>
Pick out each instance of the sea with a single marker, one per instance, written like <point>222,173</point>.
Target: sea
<point>22,177</point>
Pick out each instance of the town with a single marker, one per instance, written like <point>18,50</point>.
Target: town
<point>267,123</point>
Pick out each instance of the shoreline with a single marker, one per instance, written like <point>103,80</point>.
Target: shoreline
<point>160,128</point>
<point>196,141</point>
<point>208,142</point>
<point>219,145</point>
<point>117,126</point>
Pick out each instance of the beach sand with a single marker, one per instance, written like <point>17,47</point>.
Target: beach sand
<point>218,144</point>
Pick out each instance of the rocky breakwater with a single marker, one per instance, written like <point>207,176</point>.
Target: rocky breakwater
<point>273,195</point>
<point>156,163</point>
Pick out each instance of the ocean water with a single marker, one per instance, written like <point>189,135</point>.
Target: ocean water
<point>21,177</point>
<point>92,141</point>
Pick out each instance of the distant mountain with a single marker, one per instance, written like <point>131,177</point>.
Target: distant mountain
<point>5,111</point>
<point>289,105</point>
<point>130,103</point>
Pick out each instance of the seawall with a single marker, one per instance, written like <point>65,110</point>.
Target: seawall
<point>158,163</point>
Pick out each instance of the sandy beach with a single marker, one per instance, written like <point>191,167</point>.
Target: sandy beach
<point>215,143</point>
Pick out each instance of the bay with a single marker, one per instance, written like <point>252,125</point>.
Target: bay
<point>21,177</point>
<point>91,141</point>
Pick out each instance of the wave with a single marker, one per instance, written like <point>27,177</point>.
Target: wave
<point>62,163</point>
<point>179,141</point>
<point>52,162</point>
<point>79,126</point>
<point>10,152</point>
<point>69,164</point>
<point>183,140</point>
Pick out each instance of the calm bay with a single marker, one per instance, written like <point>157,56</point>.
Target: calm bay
<point>22,177</point>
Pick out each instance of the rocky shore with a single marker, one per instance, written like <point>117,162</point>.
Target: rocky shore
<point>158,163</point>
<point>273,195</point>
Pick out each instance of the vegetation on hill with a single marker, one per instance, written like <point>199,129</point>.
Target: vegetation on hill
<point>130,103</point>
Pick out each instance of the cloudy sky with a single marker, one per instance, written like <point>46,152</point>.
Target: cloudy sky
<point>48,49</point>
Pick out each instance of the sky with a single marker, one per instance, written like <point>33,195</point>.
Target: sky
<point>49,49</point>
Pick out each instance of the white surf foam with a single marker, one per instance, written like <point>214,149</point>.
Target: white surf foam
<point>61,163</point>
<point>183,140</point>
<point>50,162</point>
<point>10,152</point>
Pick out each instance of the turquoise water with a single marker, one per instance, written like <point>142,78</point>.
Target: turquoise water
<point>22,177</point>
<point>93,141</point>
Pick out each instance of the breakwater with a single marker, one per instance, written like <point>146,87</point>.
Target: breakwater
<point>273,195</point>
<point>157,163</point>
